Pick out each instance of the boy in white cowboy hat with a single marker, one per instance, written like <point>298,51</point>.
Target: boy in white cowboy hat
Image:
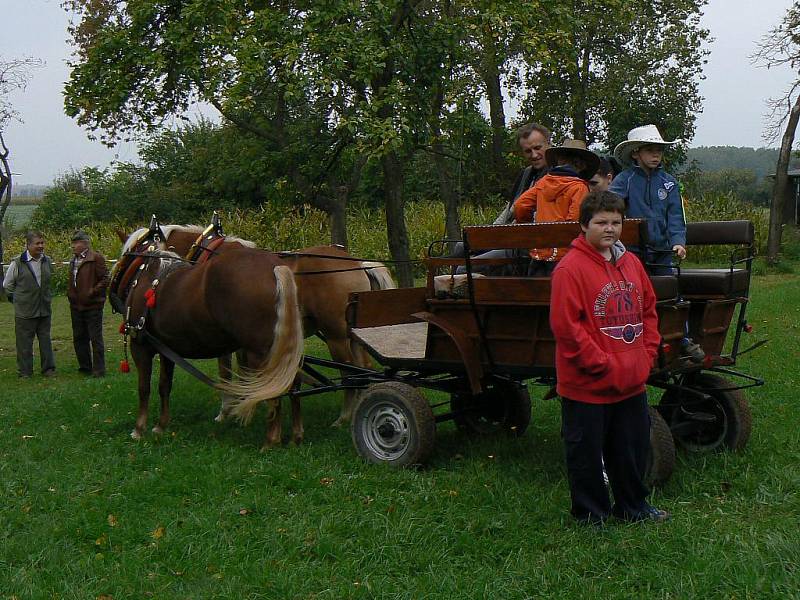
<point>651,193</point>
<point>557,196</point>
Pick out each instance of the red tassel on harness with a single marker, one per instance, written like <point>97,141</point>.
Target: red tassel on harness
<point>150,297</point>
<point>122,327</point>
<point>124,367</point>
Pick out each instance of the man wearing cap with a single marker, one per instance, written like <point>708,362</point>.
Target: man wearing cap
<point>651,193</point>
<point>87,295</point>
<point>27,285</point>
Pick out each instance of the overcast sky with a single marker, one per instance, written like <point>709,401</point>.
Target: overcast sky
<point>49,143</point>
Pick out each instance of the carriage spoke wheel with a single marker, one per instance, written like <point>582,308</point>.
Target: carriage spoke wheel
<point>505,407</point>
<point>722,420</point>
<point>393,424</point>
<point>661,458</point>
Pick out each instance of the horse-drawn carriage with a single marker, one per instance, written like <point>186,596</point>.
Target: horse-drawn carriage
<point>480,339</point>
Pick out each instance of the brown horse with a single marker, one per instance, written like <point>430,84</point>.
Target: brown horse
<point>244,300</point>
<point>325,275</point>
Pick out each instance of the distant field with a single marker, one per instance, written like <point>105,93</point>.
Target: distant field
<point>19,215</point>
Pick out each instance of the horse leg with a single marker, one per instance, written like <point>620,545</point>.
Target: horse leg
<point>164,389</point>
<point>273,437</point>
<point>144,368</point>
<point>340,352</point>
<point>225,374</point>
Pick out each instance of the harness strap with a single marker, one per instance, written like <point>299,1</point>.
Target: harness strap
<point>165,350</point>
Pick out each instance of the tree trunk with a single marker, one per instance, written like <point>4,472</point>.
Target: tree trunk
<point>781,189</point>
<point>497,116</point>
<point>449,191</point>
<point>5,182</point>
<point>395,218</point>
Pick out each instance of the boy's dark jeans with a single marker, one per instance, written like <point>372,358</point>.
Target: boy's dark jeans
<point>617,434</point>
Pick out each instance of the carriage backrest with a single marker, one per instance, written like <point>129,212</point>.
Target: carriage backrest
<point>707,233</point>
<point>541,235</point>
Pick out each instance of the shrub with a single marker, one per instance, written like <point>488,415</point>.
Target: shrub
<point>725,207</point>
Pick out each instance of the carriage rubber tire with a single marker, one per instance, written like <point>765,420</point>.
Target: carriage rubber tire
<point>730,405</point>
<point>393,424</point>
<point>514,400</point>
<point>661,458</point>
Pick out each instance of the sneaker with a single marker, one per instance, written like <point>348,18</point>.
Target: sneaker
<point>692,350</point>
<point>651,514</point>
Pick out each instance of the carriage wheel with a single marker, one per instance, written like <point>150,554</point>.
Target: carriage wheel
<point>503,407</point>
<point>393,424</point>
<point>721,421</point>
<point>661,458</point>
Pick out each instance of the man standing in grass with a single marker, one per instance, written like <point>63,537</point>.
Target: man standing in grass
<point>27,284</point>
<point>87,295</point>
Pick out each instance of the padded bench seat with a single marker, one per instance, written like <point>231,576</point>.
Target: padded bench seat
<point>665,286</point>
<point>714,282</point>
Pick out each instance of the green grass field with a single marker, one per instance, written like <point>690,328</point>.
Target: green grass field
<point>201,513</point>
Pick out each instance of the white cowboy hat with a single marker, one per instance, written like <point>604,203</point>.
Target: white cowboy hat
<point>638,137</point>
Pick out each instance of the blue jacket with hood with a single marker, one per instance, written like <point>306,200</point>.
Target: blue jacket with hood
<point>655,197</point>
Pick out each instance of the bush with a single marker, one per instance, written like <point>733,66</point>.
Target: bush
<point>725,207</point>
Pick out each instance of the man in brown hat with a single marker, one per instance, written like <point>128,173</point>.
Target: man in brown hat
<point>557,196</point>
<point>87,295</point>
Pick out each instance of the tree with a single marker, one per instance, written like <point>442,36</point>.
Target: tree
<point>617,65</point>
<point>14,75</point>
<point>781,46</point>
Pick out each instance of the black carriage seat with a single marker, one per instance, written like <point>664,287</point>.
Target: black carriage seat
<point>665,287</point>
<point>719,283</point>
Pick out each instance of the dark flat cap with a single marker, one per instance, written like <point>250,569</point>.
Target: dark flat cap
<point>80,235</point>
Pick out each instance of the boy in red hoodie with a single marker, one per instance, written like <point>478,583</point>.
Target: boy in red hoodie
<point>603,316</point>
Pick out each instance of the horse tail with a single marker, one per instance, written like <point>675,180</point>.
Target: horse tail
<point>277,373</point>
<point>380,278</point>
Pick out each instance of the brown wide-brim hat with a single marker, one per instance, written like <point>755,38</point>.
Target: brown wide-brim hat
<point>574,148</point>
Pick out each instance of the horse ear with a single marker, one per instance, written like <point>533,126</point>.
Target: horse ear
<point>123,237</point>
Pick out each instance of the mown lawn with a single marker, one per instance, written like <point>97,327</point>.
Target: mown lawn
<point>201,513</point>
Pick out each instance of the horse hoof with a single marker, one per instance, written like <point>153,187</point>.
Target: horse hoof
<point>297,441</point>
<point>339,422</point>
<point>136,435</point>
<point>157,430</point>
<point>220,418</point>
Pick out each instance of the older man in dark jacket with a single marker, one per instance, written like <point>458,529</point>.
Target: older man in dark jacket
<point>87,294</point>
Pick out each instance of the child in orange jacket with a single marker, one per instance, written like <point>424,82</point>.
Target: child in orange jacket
<point>557,196</point>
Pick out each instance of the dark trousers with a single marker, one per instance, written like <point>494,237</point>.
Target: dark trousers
<point>87,329</point>
<point>617,434</point>
<point>25,330</point>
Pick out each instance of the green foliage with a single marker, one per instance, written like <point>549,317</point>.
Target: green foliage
<point>761,161</point>
<point>725,207</point>
<point>618,65</point>
<point>741,183</point>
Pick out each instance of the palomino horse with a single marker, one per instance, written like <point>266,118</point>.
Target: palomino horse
<point>246,300</point>
<point>325,276</point>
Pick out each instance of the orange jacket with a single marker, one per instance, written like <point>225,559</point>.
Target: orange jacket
<point>555,198</point>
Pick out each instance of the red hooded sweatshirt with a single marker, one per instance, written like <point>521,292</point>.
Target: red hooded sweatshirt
<point>603,316</point>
